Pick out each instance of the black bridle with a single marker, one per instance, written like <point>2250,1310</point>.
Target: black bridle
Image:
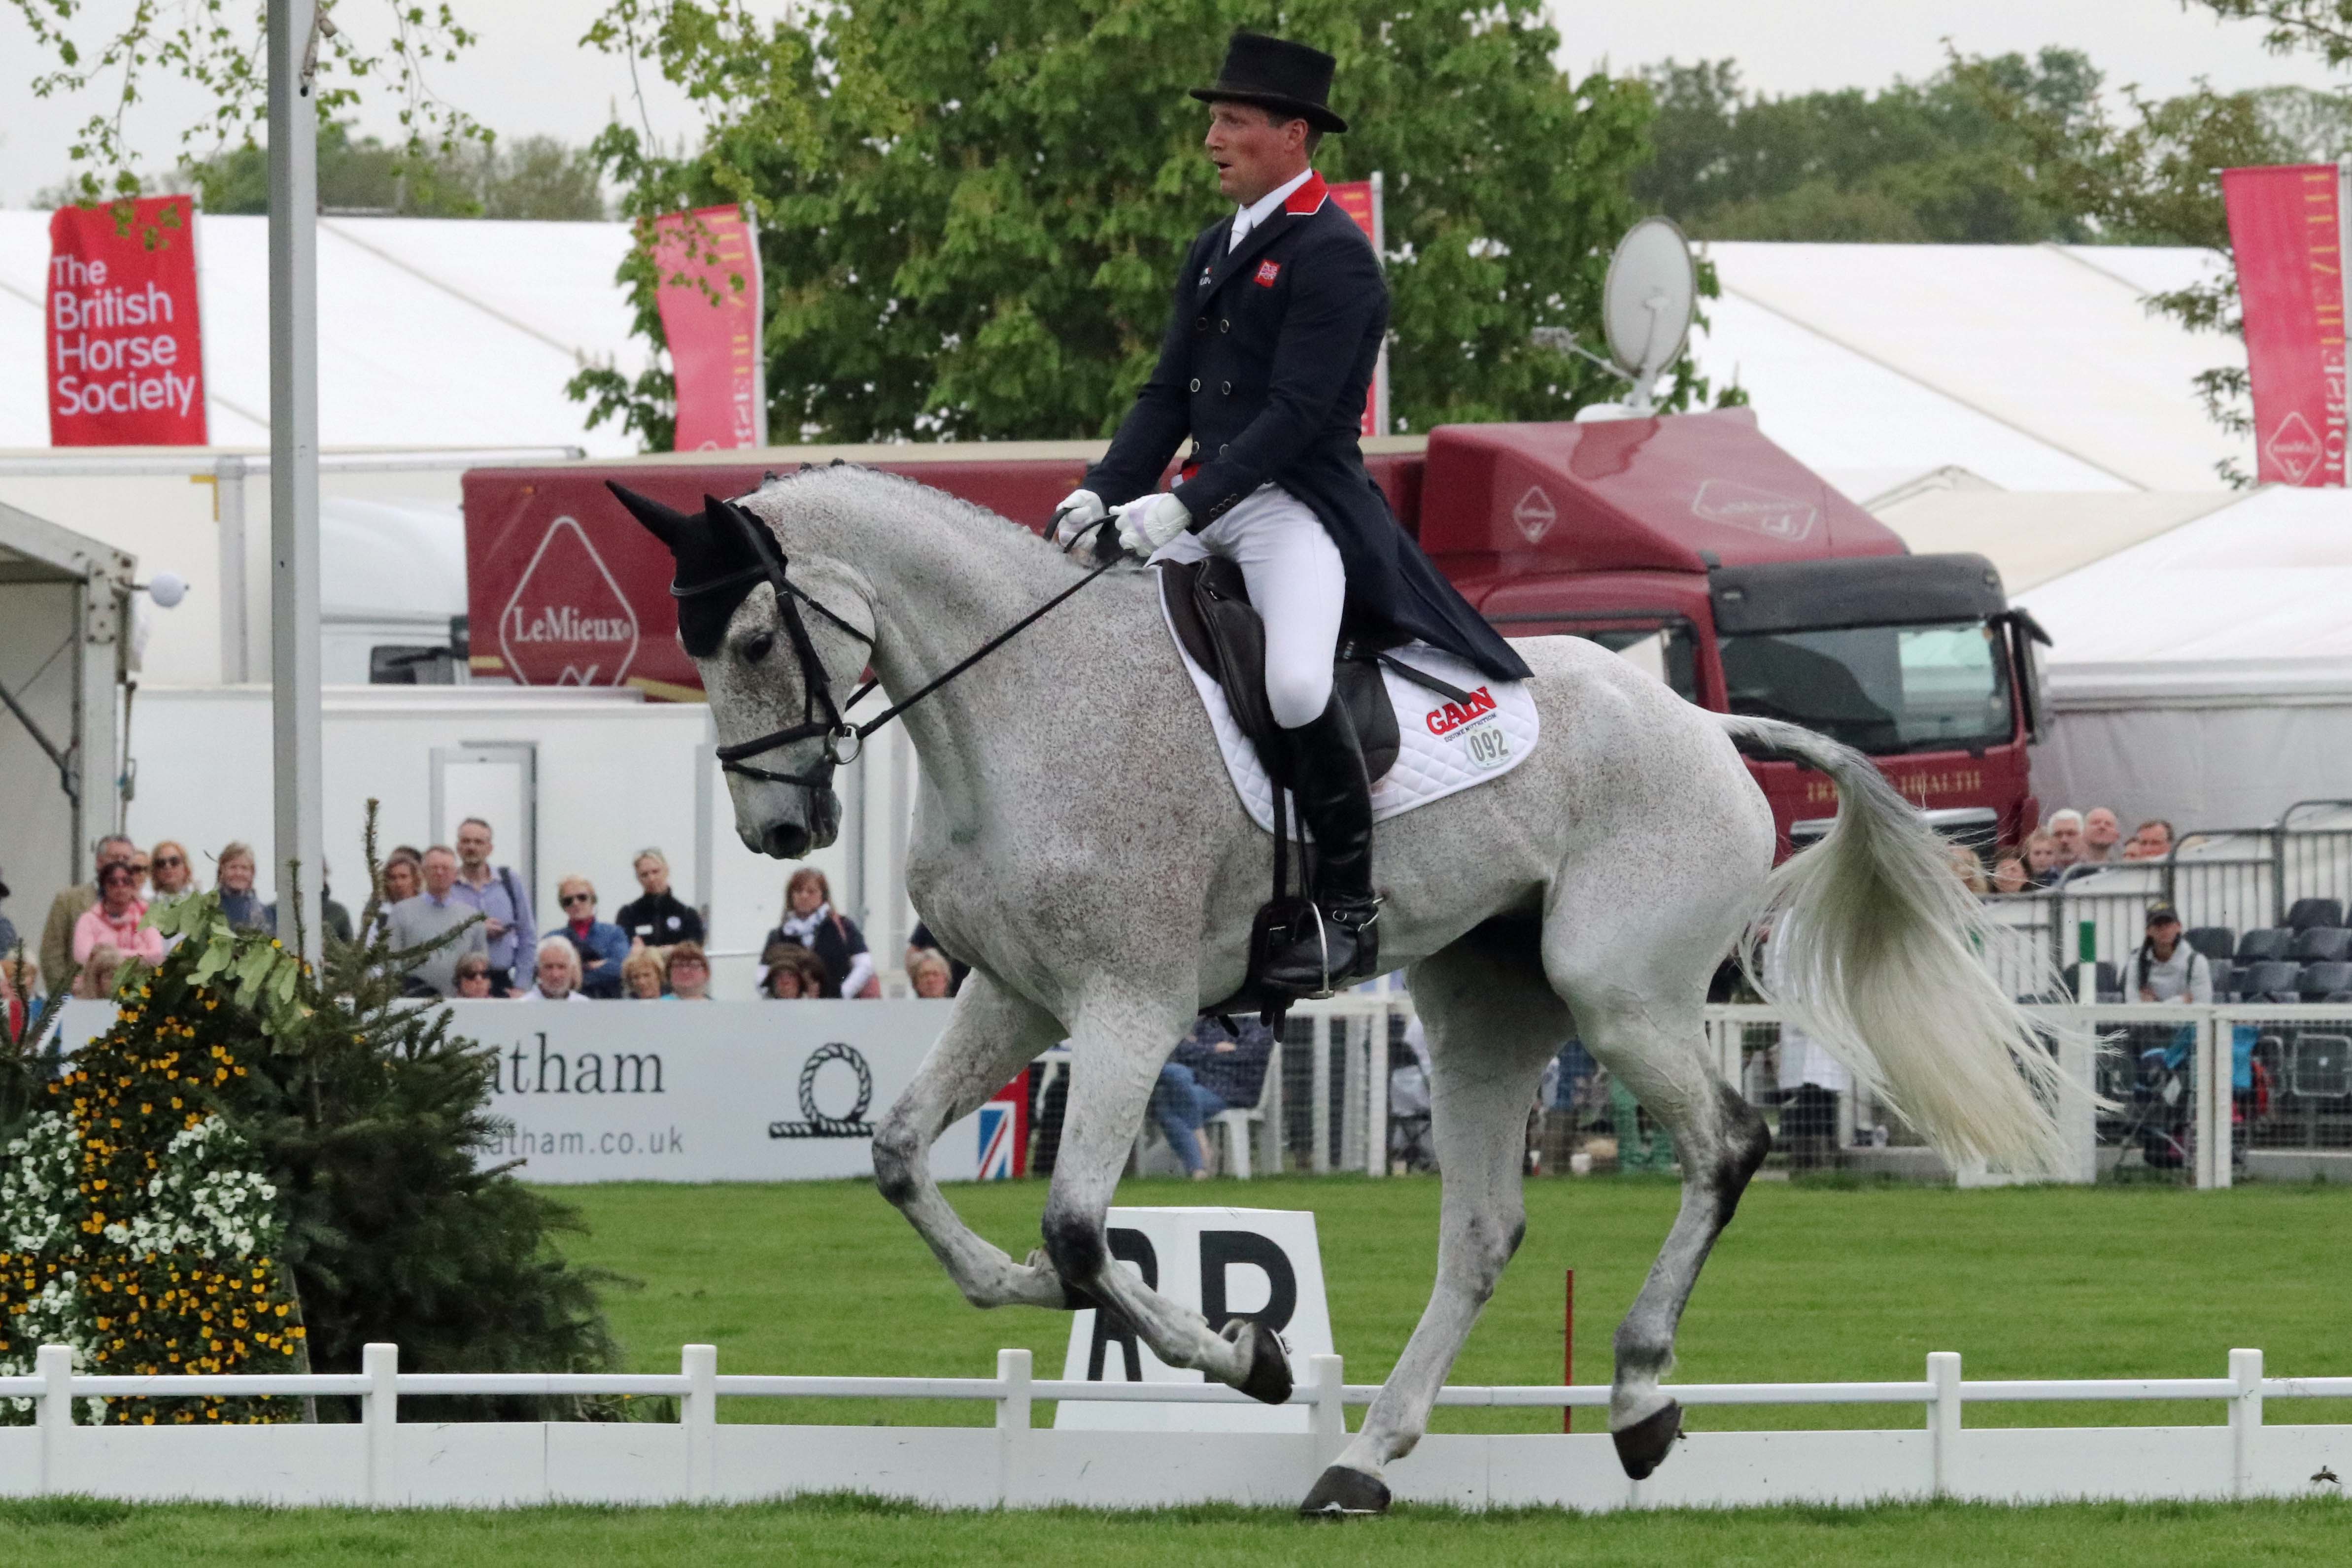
<point>819,715</point>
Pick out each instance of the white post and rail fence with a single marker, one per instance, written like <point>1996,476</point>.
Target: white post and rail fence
<point>382,1461</point>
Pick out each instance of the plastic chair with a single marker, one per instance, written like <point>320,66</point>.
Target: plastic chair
<point>2262,944</point>
<point>2320,944</point>
<point>2321,982</point>
<point>2225,979</point>
<point>2216,943</point>
<point>2272,980</point>
<point>2110,981</point>
<point>2305,913</point>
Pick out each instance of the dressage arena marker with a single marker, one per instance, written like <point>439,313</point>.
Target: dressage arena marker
<point>382,1462</point>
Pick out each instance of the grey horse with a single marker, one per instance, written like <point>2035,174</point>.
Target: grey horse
<point>1077,843</point>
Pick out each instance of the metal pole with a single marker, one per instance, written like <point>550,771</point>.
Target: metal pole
<point>299,787</point>
<point>1568,1351</point>
<point>228,505</point>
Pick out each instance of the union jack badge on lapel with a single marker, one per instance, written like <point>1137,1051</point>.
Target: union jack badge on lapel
<point>1267,271</point>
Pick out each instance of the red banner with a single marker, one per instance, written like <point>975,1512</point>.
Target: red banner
<point>1360,200</point>
<point>708,294</point>
<point>125,351</point>
<point>2286,227</point>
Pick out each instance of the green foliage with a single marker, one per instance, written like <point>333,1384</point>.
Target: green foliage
<point>977,242</point>
<point>219,46</point>
<point>364,1124</point>
<point>372,1119</point>
<point>1912,163</point>
<point>532,178</point>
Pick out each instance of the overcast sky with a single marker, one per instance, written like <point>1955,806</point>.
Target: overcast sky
<point>529,76</point>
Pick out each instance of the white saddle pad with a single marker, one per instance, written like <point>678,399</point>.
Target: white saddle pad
<point>1443,748</point>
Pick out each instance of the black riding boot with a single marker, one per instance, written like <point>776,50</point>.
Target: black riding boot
<point>1335,800</point>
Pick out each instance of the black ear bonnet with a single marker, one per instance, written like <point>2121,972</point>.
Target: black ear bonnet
<point>722,547</point>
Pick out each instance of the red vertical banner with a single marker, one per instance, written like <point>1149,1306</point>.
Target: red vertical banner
<point>708,293</point>
<point>126,360</point>
<point>1360,200</point>
<point>2287,231</point>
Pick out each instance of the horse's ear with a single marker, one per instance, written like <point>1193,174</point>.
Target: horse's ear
<point>726,519</point>
<point>671,527</point>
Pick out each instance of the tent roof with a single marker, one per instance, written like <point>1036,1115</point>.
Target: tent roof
<point>2263,581</point>
<point>2037,367</point>
<point>431,332</point>
<point>2037,537</point>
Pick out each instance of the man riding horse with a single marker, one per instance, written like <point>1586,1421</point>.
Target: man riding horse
<point>1279,315</point>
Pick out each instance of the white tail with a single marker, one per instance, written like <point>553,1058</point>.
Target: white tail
<point>1879,962</point>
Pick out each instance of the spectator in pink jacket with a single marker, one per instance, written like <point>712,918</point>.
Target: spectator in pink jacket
<point>118,919</point>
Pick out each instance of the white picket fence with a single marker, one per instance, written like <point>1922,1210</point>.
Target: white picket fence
<point>383,1461</point>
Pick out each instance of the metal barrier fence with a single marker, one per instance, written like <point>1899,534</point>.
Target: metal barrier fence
<point>2194,1096</point>
<point>2242,878</point>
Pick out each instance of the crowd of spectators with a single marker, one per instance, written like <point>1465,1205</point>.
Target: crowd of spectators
<point>2069,843</point>
<point>652,949</point>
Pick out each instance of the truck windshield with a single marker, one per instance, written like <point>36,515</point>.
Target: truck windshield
<point>1880,689</point>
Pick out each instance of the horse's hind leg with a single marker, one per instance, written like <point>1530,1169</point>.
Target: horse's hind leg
<point>1120,1041</point>
<point>1654,1039</point>
<point>990,1035</point>
<point>1493,1022</point>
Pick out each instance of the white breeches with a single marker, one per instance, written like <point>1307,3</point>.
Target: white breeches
<point>1296,582</point>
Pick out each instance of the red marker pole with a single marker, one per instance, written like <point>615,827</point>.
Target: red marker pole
<point>1568,1352</point>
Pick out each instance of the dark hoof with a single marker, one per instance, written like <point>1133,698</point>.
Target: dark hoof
<point>1642,1448</point>
<point>1342,1493</point>
<point>1268,1379</point>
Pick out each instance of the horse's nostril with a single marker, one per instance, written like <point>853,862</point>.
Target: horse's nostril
<point>785,841</point>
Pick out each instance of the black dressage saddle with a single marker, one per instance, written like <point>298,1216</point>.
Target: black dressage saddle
<point>1209,605</point>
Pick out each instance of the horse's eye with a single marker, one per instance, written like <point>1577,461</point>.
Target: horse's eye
<point>758,647</point>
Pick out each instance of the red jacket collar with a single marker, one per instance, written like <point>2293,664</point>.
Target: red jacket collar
<point>1306,198</point>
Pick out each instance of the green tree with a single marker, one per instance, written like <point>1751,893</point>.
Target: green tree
<point>965,240</point>
<point>1914,162</point>
<point>532,178</point>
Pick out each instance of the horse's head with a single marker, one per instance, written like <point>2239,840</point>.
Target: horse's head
<point>776,653</point>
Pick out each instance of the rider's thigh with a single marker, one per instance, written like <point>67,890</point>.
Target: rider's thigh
<point>1300,589</point>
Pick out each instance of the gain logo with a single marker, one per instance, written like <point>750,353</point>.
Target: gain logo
<point>2294,448</point>
<point>1735,505</point>
<point>568,623</point>
<point>817,1123</point>
<point>1534,514</point>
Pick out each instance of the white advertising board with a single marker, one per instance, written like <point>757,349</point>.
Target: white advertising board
<point>1224,1263</point>
<point>692,1092</point>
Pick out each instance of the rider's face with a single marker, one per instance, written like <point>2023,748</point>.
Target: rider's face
<point>1253,150</point>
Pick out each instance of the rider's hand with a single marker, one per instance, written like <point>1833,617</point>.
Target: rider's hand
<point>1150,521</point>
<point>1080,508</point>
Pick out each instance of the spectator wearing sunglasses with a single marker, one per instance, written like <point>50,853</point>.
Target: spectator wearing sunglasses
<point>474,977</point>
<point>603,946</point>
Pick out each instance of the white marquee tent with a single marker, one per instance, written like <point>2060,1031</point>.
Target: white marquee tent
<point>2034,367</point>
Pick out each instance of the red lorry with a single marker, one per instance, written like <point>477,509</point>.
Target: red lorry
<point>1688,542</point>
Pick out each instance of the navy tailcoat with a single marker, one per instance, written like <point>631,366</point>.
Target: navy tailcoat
<point>1267,357</point>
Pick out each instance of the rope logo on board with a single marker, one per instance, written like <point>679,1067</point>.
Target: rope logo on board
<point>818,1124</point>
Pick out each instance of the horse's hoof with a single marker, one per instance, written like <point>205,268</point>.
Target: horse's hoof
<point>1269,1377</point>
<point>1344,1493</point>
<point>1642,1448</point>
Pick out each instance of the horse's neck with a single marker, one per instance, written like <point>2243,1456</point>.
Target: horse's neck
<point>941,589</point>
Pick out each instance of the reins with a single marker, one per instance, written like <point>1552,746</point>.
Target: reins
<point>815,684</point>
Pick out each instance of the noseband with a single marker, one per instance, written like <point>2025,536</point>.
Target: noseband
<point>819,715</point>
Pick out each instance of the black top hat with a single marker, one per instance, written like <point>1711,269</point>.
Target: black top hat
<point>1274,73</point>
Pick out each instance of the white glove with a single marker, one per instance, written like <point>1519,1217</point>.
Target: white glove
<point>1147,522</point>
<point>1080,508</point>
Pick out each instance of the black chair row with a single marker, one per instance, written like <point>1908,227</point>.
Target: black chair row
<point>2273,944</point>
<point>2277,979</point>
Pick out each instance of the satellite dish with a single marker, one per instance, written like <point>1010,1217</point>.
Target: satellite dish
<point>167,589</point>
<point>1647,304</point>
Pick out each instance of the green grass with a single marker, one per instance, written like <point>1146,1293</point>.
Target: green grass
<point>858,1531</point>
<point>1812,1283</point>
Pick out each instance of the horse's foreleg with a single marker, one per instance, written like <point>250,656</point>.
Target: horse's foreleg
<point>1493,1023</point>
<point>990,1035</point>
<point>1117,1052</point>
<point>1657,1050</point>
